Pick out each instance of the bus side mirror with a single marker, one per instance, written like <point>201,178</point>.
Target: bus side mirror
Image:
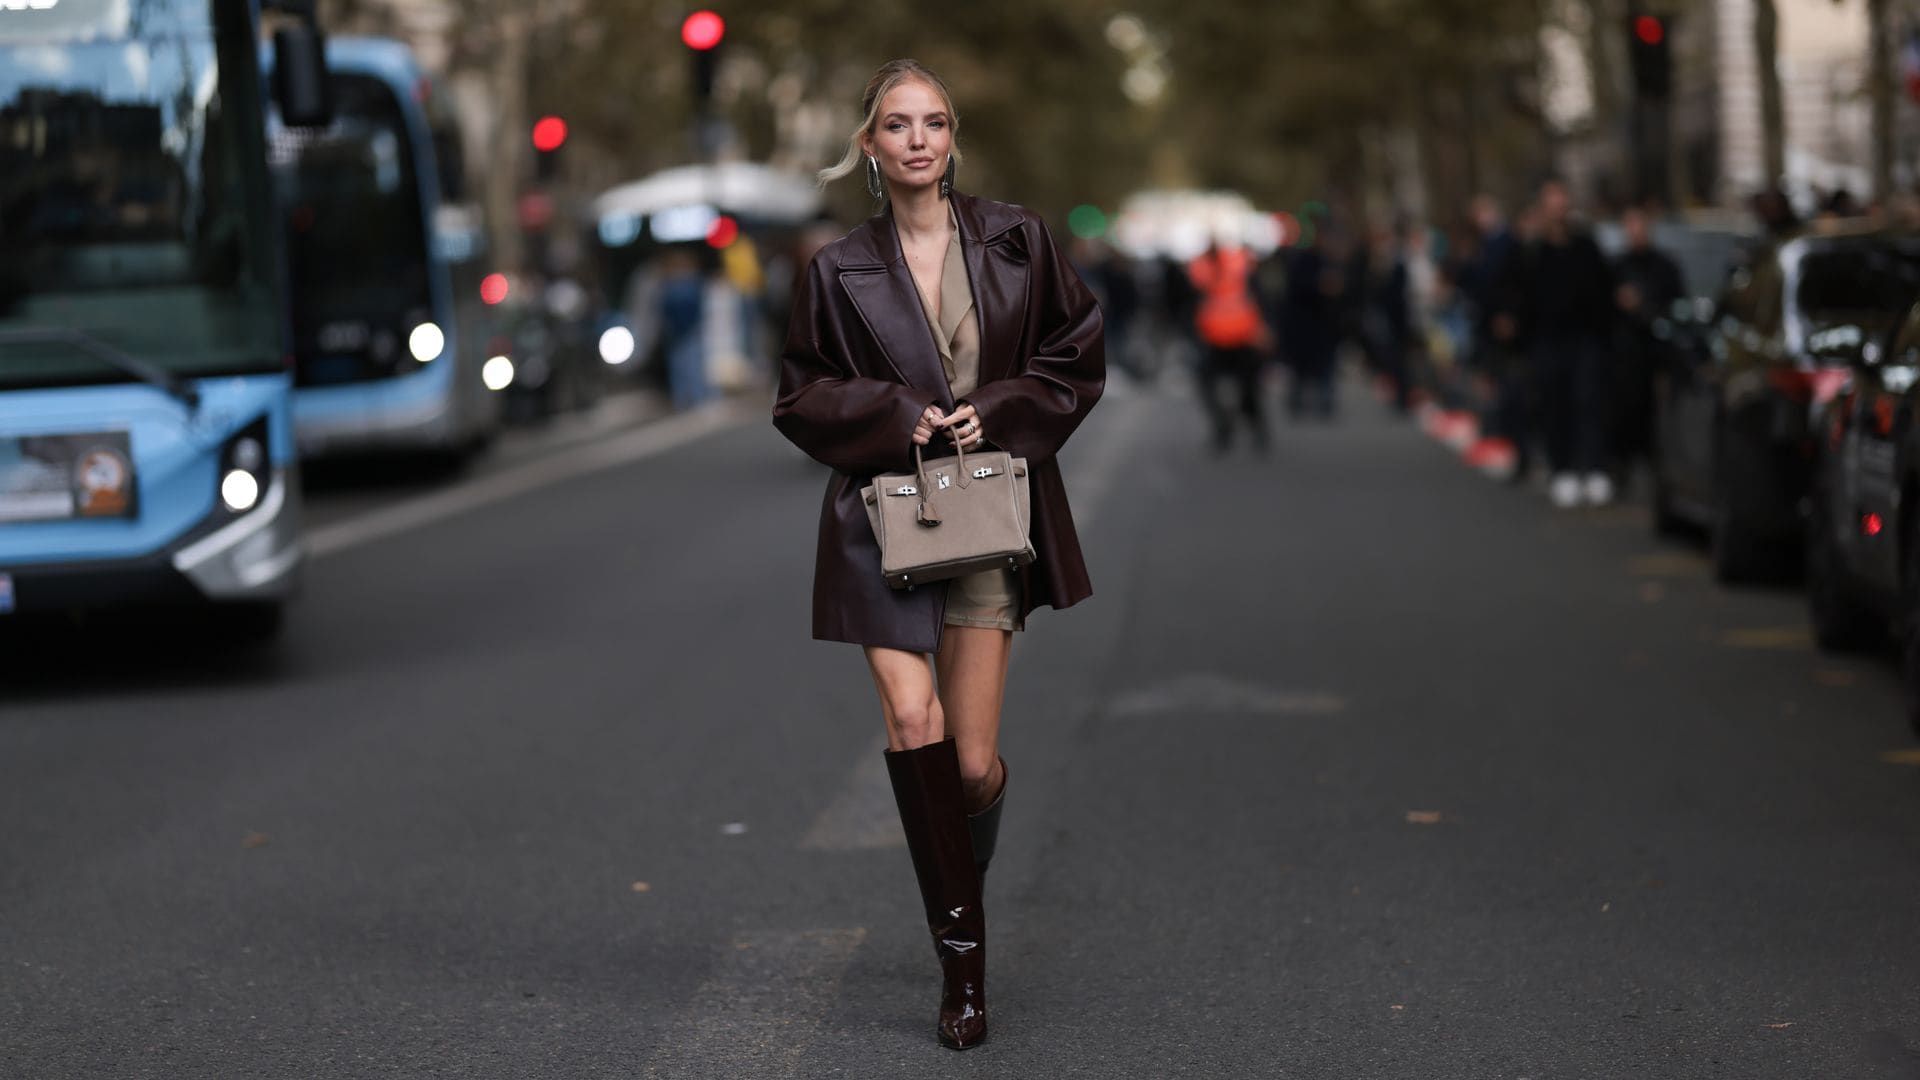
<point>300,76</point>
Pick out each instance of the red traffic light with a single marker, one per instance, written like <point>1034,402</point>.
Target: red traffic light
<point>549,133</point>
<point>703,30</point>
<point>1649,29</point>
<point>493,288</point>
<point>724,232</point>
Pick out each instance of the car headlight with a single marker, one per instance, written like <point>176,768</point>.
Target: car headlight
<point>616,345</point>
<point>245,469</point>
<point>426,342</point>
<point>497,373</point>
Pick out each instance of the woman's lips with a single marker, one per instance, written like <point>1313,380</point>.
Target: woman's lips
<point>918,163</point>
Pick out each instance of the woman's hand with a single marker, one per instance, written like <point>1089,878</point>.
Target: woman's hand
<point>923,431</point>
<point>963,427</point>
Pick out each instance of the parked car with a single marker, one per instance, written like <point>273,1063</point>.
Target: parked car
<point>1734,406</point>
<point>1863,533</point>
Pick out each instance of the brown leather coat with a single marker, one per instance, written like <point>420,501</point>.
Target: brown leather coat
<point>860,365</point>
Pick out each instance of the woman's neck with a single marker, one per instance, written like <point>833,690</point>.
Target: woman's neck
<point>919,214</point>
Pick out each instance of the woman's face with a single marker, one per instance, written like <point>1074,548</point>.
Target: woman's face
<point>912,136</point>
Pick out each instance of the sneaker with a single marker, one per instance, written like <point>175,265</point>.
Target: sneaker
<point>1564,491</point>
<point>1599,489</point>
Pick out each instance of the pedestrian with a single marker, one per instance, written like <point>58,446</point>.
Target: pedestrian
<point>1233,338</point>
<point>944,320</point>
<point>1568,310</point>
<point>683,303</point>
<point>1386,317</point>
<point>1493,281</point>
<point>1649,283</point>
<point>1310,328</point>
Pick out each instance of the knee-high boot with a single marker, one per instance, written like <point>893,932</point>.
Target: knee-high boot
<point>984,826</point>
<point>926,785</point>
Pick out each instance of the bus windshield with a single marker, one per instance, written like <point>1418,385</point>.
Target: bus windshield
<point>356,236</point>
<point>134,204</point>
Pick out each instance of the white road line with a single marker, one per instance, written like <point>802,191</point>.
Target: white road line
<point>644,442</point>
<point>760,1010</point>
<point>862,816</point>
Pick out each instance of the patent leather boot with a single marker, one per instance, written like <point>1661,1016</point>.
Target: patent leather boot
<point>984,826</point>
<point>933,811</point>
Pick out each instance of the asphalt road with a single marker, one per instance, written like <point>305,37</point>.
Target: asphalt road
<point>1356,765</point>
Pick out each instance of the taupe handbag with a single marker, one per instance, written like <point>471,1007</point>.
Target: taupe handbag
<point>952,517</point>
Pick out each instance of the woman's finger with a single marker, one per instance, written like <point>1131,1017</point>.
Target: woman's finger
<point>960,415</point>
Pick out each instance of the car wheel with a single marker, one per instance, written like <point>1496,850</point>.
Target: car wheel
<point>1738,555</point>
<point>1841,623</point>
<point>1666,521</point>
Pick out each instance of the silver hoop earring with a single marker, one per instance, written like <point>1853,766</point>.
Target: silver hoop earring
<point>946,182</point>
<point>874,187</point>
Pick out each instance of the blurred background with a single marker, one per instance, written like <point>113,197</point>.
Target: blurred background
<point>1505,658</point>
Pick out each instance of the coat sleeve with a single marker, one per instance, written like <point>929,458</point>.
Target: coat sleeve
<point>1034,412</point>
<point>858,425</point>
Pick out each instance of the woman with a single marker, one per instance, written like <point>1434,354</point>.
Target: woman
<point>952,318</point>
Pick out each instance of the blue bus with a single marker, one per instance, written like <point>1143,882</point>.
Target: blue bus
<point>146,443</point>
<point>384,251</point>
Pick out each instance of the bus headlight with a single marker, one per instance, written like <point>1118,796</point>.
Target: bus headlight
<point>240,491</point>
<point>243,468</point>
<point>425,342</point>
<point>497,373</point>
<point>616,345</point>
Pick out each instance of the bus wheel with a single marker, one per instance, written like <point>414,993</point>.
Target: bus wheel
<point>252,623</point>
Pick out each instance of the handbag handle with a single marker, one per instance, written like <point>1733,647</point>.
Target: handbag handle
<point>926,514</point>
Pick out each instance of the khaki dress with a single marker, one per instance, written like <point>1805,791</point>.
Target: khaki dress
<point>991,598</point>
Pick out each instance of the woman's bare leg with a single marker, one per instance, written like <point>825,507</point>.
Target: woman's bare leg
<point>907,698</point>
<point>972,662</point>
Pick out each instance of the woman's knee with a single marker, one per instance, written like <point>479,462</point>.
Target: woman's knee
<point>915,723</point>
<point>977,765</point>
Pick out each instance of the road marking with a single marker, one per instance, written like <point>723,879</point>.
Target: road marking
<point>1787,638</point>
<point>1208,693</point>
<point>644,442</point>
<point>862,816</point>
<point>759,1011</point>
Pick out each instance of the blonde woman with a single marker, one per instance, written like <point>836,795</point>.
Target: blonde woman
<point>943,320</point>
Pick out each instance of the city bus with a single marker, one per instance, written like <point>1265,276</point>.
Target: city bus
<point>384,252</point>
<point>146,446</point>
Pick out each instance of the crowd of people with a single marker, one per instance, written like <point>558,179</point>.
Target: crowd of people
<point>1518,317</point>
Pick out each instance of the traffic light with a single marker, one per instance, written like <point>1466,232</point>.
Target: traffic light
<point>1650,50</point>
<point>702,33</point>
<point>549,135</point>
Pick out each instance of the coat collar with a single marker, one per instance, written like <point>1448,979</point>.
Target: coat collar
<point>874,273</point>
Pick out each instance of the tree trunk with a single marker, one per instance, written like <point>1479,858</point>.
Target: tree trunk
<point>1881,92</point>
<point>1773,123</point>
<point>506,156</point>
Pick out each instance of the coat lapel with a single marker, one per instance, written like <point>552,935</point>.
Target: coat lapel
<point>998,269</point>
<point>876,278</point>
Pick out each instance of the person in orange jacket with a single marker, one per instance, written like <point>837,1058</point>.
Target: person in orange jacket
<point>1234,339</point>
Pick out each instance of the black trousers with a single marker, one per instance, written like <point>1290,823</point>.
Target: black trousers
<point>1575,402</point>
<point>1240,366</point>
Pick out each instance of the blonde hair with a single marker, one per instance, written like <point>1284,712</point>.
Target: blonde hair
<point>891,74</point>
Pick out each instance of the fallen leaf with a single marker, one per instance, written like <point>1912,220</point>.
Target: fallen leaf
<point>1606,907</point>
<point>641,886</point>
<point>1768,637</point>
<point>255,839</point>
<point>1423,817</point>
<point>1834,677</point>
<point>1396,1008</point>
<point>1780,1027</point>
<point>1901,757</point>
<point>1652,592</point>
